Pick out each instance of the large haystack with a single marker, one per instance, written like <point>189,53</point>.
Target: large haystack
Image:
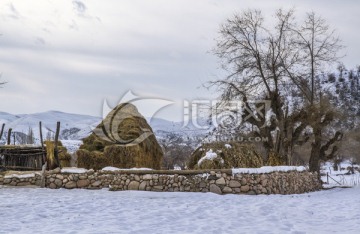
<point>123,139</point>
<point>220,155</point>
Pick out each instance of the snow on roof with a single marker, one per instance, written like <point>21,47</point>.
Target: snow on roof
<point>267,169</point>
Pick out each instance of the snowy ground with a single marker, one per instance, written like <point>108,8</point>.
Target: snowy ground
<point>35,210</point>
<point>340,177</point>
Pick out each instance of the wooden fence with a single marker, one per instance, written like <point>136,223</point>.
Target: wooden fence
<point>22,157</point>
<point>17,157</point>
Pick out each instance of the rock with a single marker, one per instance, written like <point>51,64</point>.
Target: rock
<point>234,184</point>
<point>221,181</point>
<point>58,183</point>
<point>56,170</point>
<point>52,186</point>
<point>83,177</point>
<point>215,189</point>
<point>137,178</point>
<point>245,188</point>
<point>70,185</point>
<point>227,190</point>
<point>142,186</point>
<point>23,183</point>
<point>133,185</point>
<point>243,181</point>
<point>96,183</point>
<point>82,183</point>
<point>263,190</point>
<point>202,184</point>
<point>147,177</point>
<point>237,190</point>
<point>60,177</point>
<point>251,192</point>
<point>7,181</point>
<point>158,188</point>
<point>264,182</point>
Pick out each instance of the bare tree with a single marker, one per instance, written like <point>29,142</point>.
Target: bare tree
<point>281,64</point>
<point>319,46</point>
<point>30,136</point>
<point>259,60</point>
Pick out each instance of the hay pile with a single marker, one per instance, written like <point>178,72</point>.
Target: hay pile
<point>275,160</point>
<point>220,155</point>
<point>64,156</point>
<point>123,139</point>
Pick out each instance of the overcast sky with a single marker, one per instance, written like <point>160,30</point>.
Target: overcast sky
<point>71,55</point>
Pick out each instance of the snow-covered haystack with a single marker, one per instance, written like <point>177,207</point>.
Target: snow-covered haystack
<point>220,155</point>
<point>123,139</point>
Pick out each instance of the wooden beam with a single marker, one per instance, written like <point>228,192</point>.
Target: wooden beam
<point>42,144</point>
<point>9,136</point>
<point>2,130</point>
<point>56,144</point>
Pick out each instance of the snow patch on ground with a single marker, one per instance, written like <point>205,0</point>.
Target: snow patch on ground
<point>102,211</point>
<point>341,177</point>
<point>267,169</point>
<point>228,146</point>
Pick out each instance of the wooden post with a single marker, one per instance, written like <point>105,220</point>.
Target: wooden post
<point>42,144</point>
<point>2,130</point>
<point>9,136</point>
<point>56,153</point>
<point>327,177</point>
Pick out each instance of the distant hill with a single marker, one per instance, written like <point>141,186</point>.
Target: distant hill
<point>73,126</point>
<point>77,127</point>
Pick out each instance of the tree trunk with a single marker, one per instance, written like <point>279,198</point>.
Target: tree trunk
<point>314,162</point>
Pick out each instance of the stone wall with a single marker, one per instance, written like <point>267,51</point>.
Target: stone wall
<point>219,181</point>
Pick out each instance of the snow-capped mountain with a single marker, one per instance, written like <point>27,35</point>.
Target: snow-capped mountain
<point>73,126</point>
<point>77,127</point>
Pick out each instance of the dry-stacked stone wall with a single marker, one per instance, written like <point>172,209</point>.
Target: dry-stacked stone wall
<point>219,181</point>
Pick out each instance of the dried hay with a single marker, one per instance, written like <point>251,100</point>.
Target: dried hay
<point>237,156</point>
<point>275,160</point>
<point>134,144</point>
<point>94,159</point>
<point>50,154</point>
<point>64,156</point>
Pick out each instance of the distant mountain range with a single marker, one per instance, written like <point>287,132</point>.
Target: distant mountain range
<point>77,127</point>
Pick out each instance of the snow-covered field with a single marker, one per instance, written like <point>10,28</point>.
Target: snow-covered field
<point>340,177</point>
<point>35,210</point>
